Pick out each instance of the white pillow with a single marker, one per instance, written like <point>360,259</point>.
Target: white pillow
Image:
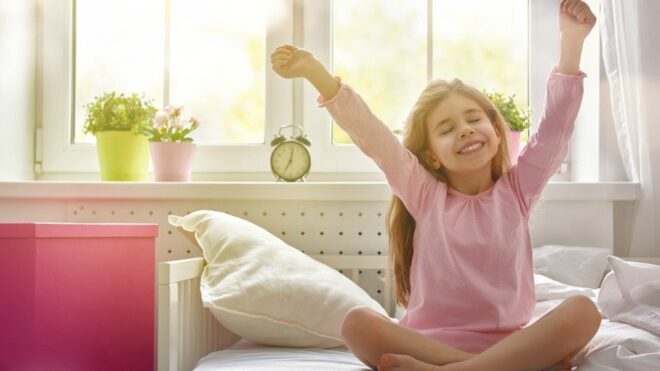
<point>266,291</point>
<point>631,294</point>
<point>573,265</point>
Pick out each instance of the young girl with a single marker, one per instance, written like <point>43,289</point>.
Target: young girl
<point>458,222</point>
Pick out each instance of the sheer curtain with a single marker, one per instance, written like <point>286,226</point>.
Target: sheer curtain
<point>622,57</point>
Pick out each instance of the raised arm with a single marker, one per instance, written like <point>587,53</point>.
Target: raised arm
<point>406,176</point>
<point>575,22</point>
<point>290,61</point>
<point>547,148</point>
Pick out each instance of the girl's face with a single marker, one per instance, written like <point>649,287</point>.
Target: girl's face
<point>461,137</point>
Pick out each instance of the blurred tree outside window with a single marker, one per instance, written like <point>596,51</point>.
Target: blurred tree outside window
<point>208,56</point>
<point>380,48</point>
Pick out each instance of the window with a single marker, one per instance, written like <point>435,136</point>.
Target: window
<point>484,43</point>
<point>208,56</point>
<point>213,58</point>
<point>116,50</point>
<point>181,52</point>
<point>380,48</point>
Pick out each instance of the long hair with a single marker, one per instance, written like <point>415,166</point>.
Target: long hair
<point>400,224</point>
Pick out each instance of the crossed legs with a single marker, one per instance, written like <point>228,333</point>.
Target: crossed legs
<point>369,335</point>
<point>384,345</point>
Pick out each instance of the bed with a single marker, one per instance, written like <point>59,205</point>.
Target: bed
<point>190,338</point>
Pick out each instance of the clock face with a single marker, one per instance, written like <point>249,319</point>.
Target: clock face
<point>290,161</point>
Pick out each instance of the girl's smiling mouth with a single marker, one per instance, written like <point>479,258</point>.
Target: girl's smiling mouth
<point>471,147</point>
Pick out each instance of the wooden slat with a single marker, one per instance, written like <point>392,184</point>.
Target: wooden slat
<point>179,270</point>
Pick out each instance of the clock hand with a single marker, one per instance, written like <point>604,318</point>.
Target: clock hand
<point>290,159</point>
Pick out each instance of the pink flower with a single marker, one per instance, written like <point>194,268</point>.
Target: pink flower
<point>161,119</point>
<point>174,111</point>
<point>194,123</point>
<point>169,109</point>
<point>169,126</point>
<point>178,123</point>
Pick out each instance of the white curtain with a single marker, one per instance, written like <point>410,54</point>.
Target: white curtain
<point>622,53</point>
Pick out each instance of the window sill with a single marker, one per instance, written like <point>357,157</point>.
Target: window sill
<point>341,191</point>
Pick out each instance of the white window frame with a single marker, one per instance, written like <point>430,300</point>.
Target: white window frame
<point>308,24</point>
<point>59,155</point>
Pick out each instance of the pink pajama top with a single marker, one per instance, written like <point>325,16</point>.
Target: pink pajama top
<point>471,277</point>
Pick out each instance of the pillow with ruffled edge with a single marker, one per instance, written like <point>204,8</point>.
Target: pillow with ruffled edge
<point>266,291</point>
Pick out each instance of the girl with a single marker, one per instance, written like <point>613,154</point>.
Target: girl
<point>458,222</point>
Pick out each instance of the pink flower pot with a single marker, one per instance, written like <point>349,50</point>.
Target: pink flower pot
<point>172,160</point>
<point>513,141</point>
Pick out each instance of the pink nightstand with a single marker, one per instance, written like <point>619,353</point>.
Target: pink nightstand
<point>77,296</point>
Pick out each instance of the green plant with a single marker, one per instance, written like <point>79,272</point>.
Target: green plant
<point>517,117</point>
<point>119,112</point>
<point>168,126</point>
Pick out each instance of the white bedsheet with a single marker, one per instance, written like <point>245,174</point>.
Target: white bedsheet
<point>619,346</point>
<point>616,346</point>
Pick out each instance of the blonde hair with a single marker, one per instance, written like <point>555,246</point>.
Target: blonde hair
<point>400,224</point>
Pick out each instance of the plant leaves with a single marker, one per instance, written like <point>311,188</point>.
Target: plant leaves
<point>517,117</point>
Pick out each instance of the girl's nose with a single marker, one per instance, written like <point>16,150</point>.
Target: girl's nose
<point>466,132</point>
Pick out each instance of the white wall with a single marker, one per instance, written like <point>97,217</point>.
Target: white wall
<point>17,89</point>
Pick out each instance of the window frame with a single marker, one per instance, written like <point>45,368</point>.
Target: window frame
<point>57,67</point>
<point>309,24</point>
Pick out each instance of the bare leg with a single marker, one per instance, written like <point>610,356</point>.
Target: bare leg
<point>369,335</point>
<point>560,333</point>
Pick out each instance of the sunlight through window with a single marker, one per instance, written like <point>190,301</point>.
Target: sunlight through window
<point>208,56</point>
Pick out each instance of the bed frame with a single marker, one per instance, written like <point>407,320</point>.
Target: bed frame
<point>187,331</point>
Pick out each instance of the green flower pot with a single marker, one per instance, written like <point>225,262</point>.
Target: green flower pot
<point>123,155</point>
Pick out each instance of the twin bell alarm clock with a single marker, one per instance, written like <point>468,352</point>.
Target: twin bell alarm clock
<point>290,160</point>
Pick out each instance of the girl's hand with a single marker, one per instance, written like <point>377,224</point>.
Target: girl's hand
<point>575,19</point>
<point>289,61</point>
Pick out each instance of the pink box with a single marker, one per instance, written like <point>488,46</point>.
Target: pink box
<point>77,296</point>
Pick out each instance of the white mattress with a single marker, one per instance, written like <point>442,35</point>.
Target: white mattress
<point>616,346</point>
<point>245,355</point>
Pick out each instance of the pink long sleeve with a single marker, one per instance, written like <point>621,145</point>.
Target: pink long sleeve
<point>406,176</point>
<point>547,148</point>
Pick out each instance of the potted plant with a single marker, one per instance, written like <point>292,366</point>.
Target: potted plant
<point>517,117</point>
<point>120,124</point>
<point>172,150</point>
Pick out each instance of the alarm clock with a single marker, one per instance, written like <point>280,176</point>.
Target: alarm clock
<point>290,160</point>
